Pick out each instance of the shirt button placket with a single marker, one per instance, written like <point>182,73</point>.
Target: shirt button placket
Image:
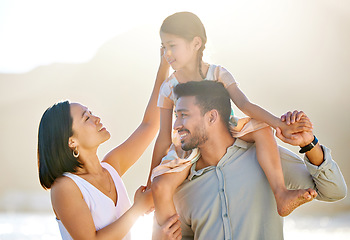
<point>224,206</point>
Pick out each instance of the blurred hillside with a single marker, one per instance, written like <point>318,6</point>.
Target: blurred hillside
<point>299,60</point>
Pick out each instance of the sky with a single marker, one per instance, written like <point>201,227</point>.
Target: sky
<point>40,32</point>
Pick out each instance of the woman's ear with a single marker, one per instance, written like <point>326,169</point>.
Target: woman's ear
<point>72,143</point>
<point>197,42</point>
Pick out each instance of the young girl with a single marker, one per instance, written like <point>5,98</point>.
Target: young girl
<point>183,39</point>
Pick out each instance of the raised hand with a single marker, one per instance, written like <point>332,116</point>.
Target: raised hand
<point>291,124</point>
<point>301,134</point>
<point>143,200</point>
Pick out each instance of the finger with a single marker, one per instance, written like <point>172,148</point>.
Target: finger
<point>177,234</point>
<point>288,116</point>
<point>175,227</point>
<point>279,134</point>
<point>300,114</point>
<point>283,118</point>
<point>171,221</point>
<point>140,189</point>
<point>293,117</point>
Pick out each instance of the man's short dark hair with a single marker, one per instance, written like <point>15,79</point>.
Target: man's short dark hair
<point>209,95</point>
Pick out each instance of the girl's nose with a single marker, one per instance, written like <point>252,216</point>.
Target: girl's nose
<point>167,52</point>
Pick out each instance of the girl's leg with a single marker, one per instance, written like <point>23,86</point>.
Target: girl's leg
<point>163,189</point>
<point>269,160</point>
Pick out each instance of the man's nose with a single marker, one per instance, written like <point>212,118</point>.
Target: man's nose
<point>177,124</point>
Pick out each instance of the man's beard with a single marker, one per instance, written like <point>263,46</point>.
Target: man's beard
<point>199,137</point>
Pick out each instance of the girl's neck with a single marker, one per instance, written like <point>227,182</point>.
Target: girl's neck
<point>191,73</point>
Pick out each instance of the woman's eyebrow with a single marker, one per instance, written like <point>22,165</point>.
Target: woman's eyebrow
<point>82,115</point>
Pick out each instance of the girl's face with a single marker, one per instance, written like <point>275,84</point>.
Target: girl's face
<point>88,131</point>
<point>178,51</point>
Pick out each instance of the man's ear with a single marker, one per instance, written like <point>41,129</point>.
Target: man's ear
<point>213,116</point>
<point>197,42</point>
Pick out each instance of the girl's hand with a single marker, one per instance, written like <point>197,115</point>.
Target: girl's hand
<point>163,62</point>
<point>143,200</point>
<point>291,124</point>
<point>301,138</point>
<point>292,117</point>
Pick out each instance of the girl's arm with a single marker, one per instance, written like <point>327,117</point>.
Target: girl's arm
<point>250,109</point>
<point>126,154</point>
<point>163,141</point>
<point>254,111</point>
<point>72,210</point>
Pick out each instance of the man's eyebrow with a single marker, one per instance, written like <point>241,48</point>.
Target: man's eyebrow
<point>180,110</point>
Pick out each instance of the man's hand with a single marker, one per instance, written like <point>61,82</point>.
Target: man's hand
<point>304,136</point>
<point>290,124</point>
<point>170,230</point>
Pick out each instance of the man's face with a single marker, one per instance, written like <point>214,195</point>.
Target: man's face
<point>190,123</point>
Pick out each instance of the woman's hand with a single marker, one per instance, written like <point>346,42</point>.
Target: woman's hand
<point>143,200</point>
<point>170,230</point>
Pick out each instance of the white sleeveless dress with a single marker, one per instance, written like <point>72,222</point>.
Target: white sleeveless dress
<point>102,208</point>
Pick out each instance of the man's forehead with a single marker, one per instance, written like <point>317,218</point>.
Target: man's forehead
<point>184,103</point>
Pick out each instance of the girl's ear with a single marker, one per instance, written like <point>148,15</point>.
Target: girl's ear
<point>197,42</point>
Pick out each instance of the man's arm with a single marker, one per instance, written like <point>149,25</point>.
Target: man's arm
<point>321,172</point>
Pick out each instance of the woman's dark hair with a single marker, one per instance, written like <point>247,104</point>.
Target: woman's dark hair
<point>188,26</point>
<point>54,155</point>
<point>209,95</point>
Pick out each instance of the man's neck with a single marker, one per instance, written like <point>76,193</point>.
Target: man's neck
<point>214,149</point>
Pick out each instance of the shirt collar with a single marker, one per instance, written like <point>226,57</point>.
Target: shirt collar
<point>197,173</point>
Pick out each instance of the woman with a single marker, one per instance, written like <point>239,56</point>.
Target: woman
<point>88,196</point>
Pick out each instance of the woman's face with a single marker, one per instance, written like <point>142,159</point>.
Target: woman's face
<point>88,131</point>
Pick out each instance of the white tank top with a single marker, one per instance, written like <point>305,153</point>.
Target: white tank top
<point>102,208</point>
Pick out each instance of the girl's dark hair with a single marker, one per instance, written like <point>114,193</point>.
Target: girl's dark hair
<point>188,26</point>
<point>209,95</point>
<point>54,155</point>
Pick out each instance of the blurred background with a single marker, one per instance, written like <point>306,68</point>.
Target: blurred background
<point>286,55</point>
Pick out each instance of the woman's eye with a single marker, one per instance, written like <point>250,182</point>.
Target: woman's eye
<point>87,119</point>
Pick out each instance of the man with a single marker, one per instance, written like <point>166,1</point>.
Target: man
<point>227,195</point>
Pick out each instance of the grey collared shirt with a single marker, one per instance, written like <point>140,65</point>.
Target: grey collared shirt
<point>233,200</point>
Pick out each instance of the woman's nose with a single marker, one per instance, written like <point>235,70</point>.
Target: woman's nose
<point>97,119</point>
